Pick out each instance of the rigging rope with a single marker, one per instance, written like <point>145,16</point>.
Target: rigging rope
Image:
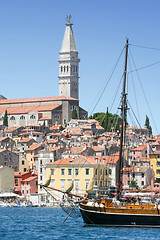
<point>107,81</point>
<point>150,65</point>
<point>134,92</point>
<point>144,94</point>
<point>151,48</point>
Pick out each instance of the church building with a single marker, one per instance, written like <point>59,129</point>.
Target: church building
<point>51,110</point>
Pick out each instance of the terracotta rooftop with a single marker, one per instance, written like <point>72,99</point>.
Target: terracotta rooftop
<point>24,140</point>
<point>29,179</point>
<point>34,146</point>
<point>36,99</point>
<point>79,160</point>
<point>27,109</point>
<point>140,148</point>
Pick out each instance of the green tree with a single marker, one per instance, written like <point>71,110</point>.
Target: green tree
<point>74,114</point>
<point>107,120</point>
<point>148,126</point>
<point>133,184</point>
<point>5,119</point>
<point>61,128</point>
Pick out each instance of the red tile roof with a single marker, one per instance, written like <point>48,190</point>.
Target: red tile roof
<point>34,146</point>
<point>27,109</point>
<point>36,99</point>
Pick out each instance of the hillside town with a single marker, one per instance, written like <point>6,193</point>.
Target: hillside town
<point>52,137</point>
<point>81,151</point>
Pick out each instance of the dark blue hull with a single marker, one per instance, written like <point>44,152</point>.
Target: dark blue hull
<point>119,219</point>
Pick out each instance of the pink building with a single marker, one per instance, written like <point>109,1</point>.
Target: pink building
<point>139,152</point>
<point>29,185</point>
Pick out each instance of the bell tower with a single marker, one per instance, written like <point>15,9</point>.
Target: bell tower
<point>69,64</point>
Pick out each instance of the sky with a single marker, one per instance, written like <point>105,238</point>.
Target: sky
<point>31,34</point>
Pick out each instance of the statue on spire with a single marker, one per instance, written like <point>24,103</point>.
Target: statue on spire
<point>68,18</point>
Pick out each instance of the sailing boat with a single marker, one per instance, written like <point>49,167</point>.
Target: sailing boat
<point>120,214</point>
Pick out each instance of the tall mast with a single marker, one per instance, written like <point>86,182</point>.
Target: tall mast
<point>123,110</point>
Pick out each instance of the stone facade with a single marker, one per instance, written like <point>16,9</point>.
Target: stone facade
<point>69,65</point>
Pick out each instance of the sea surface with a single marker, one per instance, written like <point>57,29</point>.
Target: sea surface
<point>45,223</point>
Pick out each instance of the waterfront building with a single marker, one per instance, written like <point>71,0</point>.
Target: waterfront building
<point>6,179</point>
<point>81,169</point>
<point>155,164</point>
<point>29,186</point>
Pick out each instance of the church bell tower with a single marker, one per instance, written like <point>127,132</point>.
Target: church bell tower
<point>69,64</point>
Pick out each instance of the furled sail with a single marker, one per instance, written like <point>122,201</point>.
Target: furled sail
<point>47,181</point>
<point>70,186</point>
<point>90,185</point>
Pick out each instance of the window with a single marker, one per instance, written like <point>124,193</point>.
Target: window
<point>76,171</point>
<point>23,191</point>
<point>128,174</point>
<point>56,116</point>
<point>22,162</point>
<point>158,171</point>
<point>158,156</point>
<point>64,68</point>
<point>128,182</point>
<point>133,175</point>
<point>64,121</point>
<point>27,183</point>
<point>62,183</point>
<point>69,180</point>
<point>41,178</point>
<point>12,118</point>
<point>96,171</point>
<point>25,169</point>
<point>158,163</point>
<point>22,183</point>
<point>69,171</point>
<point>142,183</point>
<point>86,183</point>
<point>52,171</point>
<point>101,183</point>
<point>16,181</point>
<point>110,171</point>
<point>41,162</point>
<point>96,182</point>
<point>67,68</point>
<point>142,175</point>
<point>61,69</point>
<point>22,117</point>
<point>76,184</point>
<point>40,170</point>
<point>87,171</point>
<point>106,172</point>
<point>62,171</point>
<point>32,117</point>
<point>52,183</point>
<point>36,183</point>
<point>27,191</point>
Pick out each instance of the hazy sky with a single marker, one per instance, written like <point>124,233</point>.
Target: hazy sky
<point>31,34</point>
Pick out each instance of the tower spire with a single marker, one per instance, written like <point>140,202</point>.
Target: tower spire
<point>69,64</point>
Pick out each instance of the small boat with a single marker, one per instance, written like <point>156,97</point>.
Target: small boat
<point>105,212</point>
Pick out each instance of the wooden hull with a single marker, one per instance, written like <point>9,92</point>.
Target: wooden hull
<point>115,218</point>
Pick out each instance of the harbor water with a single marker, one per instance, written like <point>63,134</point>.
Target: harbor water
<point>45,223</point>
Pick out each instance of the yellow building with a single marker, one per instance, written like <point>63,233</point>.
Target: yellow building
<point>81,169</point>
<point>155,164</point>
<point>23,163</point>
